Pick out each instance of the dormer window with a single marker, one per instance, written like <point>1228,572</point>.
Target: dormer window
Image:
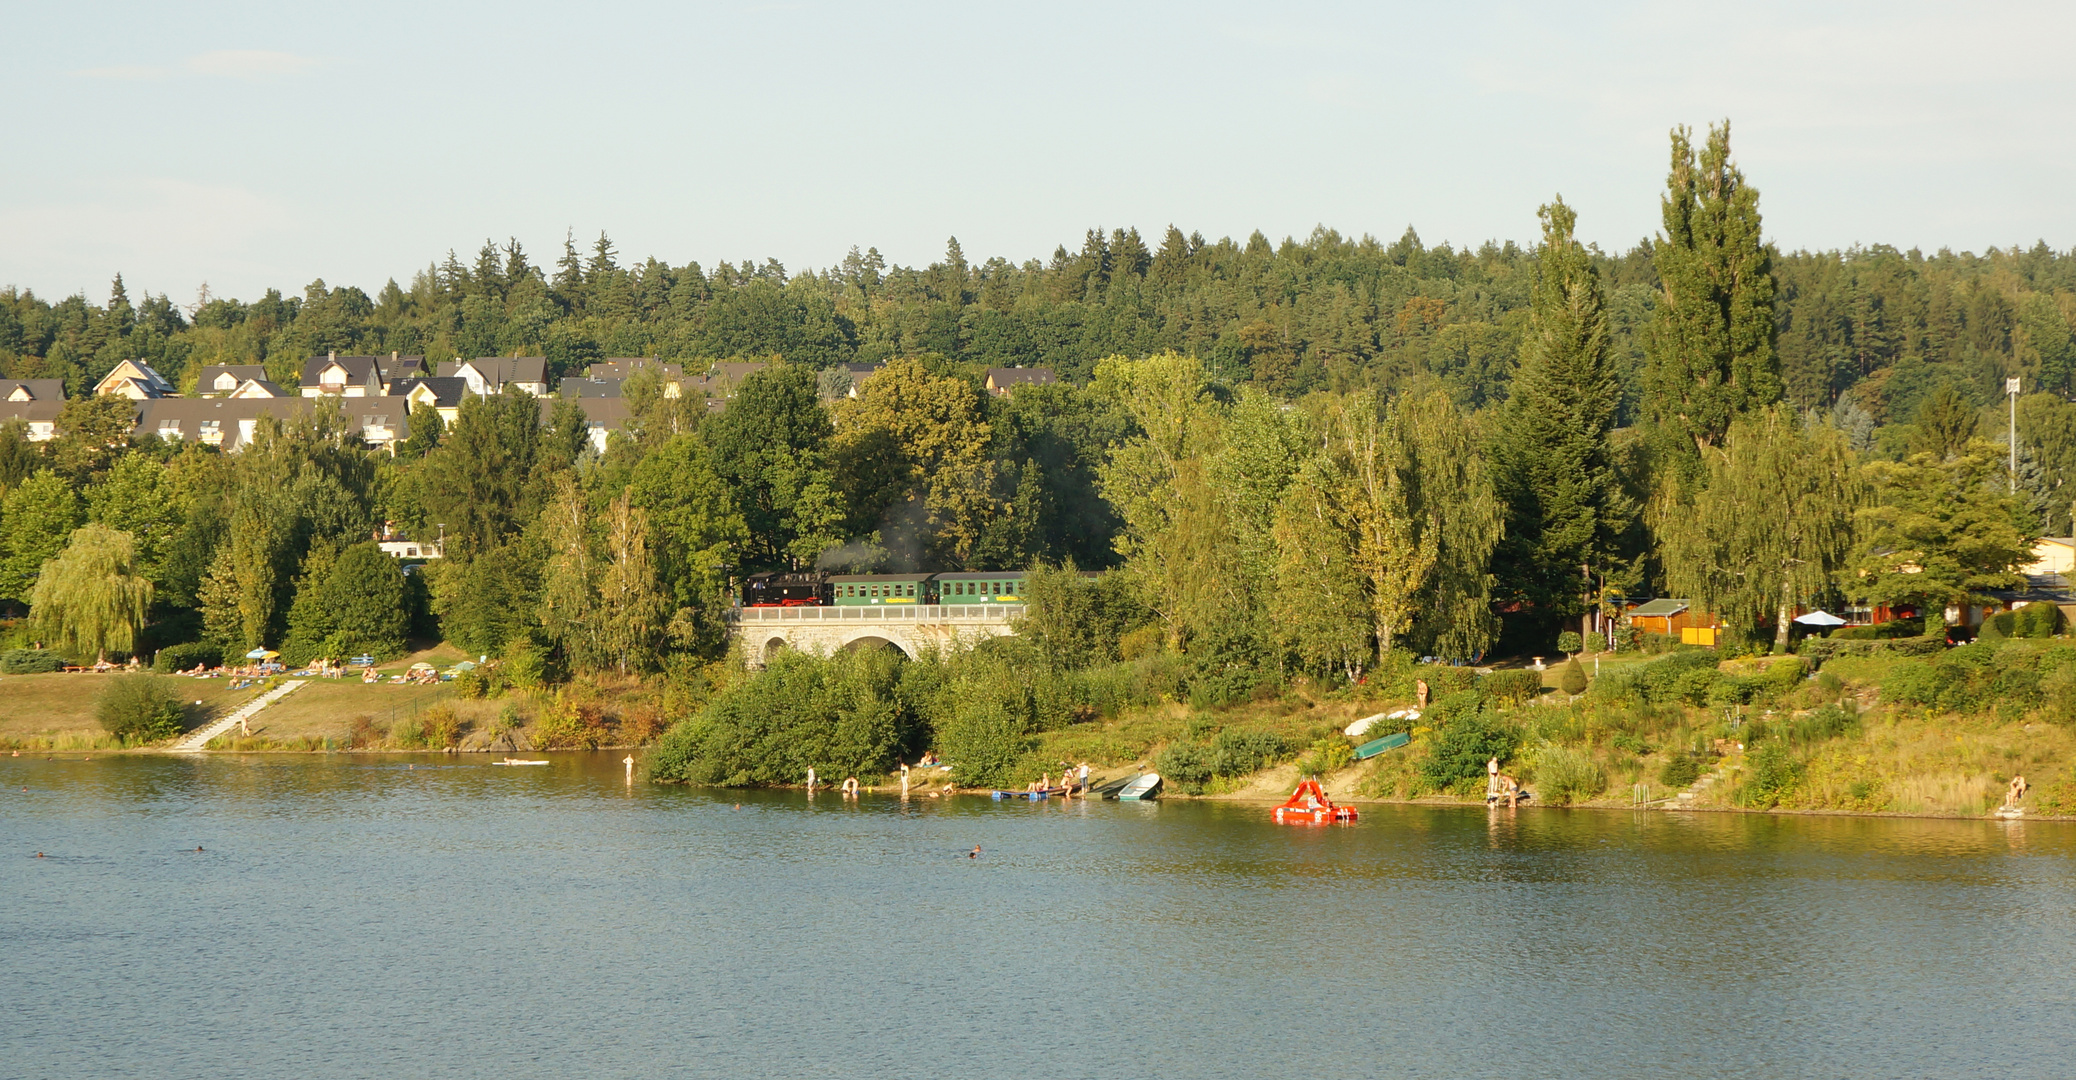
<point>21,393</point>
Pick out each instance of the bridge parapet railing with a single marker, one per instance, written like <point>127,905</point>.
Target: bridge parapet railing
<point>919,613</point>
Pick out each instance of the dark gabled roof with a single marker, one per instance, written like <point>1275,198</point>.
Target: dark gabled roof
<point>395,366</point>
<point>206,382</point>
<point>608,412</point>
<point>271,389</point>
<point>619,367</point>
<point>447,390</point>
<point>846,579</point>
<point>1661,609</point>
<point>37,389</point>
<point>188,414</point>
<point>360,370</point>
<point>1004,377</point>
<point>594,387</point>
<point>35,412</point>
<point>499,370</point>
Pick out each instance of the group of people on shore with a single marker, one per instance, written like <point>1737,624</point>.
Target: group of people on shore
<point>1073,781</point>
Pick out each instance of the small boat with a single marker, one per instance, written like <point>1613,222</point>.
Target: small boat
<point>1308,805</point>
<point>1374,747</point>
<point>518,761</point>
<point>1142,787</point>
<point>1034,796</point>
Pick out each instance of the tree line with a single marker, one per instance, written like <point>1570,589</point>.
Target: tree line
<point>1301,456</point>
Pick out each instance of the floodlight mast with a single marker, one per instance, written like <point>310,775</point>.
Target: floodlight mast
<point>2011,390</point>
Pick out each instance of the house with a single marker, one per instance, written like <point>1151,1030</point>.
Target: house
<point>724,378</point>
<point>1003,380</point>
<point>442,396</point>
<point>602,417</point>
<point>620,367</point>
<point>489,375</point>
<point>2054,562</point>
<point>134,379</point>
<point>39,414</point>
<point>229,423</point>
<point>218,379</point>
<point>257,388</point>
<point>594,387</point>
<point>332,375</point>
<point>1676,617</point>
<point>17,391</point>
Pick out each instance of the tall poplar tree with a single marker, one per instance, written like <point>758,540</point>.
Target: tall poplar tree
<point>1710,346</point>
<point>1566,507</point>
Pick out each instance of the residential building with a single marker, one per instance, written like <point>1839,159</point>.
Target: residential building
<point>1002,380</point>
<point>593,387</point>
<point>17,391</point>
<point>39,414</point>
<point>219,379</point>
<point>229,423</point>
<point>257,388</point>
<point>442,395</point>
<point>332,375</point>
<point>134,379</point>
<point>602,417</point>
<point>489,375</point>
<point>620,367</point>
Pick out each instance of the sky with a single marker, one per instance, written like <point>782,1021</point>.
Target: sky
<point>250,145</point>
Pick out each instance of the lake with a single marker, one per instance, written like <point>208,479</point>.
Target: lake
<point>367,916</point>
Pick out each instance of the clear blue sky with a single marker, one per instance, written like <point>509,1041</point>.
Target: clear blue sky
<point>250,145</point>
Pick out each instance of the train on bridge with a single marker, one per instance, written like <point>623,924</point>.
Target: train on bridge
<point>783,589</point>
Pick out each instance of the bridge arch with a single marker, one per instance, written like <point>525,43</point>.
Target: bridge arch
<point>877,639</point>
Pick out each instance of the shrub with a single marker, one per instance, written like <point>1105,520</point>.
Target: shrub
<point>2039,619</point>
<point>470,685</point>
<point>1571,678</point>
<point>1511,687</point>
<point>1775,771</point>
<point>1680,771</point>
<point>1239,751</point>
<point>1187,765</point>
<point>848,714</point>
<point>1462,745</point>
<point>1569,643</point>
<point>139,709</point>
<point>1823,724</point>
<point>29,662</point>
<point>1564,775</point>
<point>569,725</point>
<point>174,658</point>
<point>1330,754</point>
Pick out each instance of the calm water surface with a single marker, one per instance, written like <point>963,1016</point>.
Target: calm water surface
<point>358,917</point>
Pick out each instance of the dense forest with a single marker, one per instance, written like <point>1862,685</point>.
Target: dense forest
<point>1298,456</point>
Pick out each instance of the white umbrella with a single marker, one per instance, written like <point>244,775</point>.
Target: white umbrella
<point>1820,618</point>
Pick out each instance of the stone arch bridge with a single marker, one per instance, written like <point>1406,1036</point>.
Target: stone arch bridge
<point>766,631</point>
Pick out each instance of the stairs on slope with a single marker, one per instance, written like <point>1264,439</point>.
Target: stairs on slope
<point>197,739</point>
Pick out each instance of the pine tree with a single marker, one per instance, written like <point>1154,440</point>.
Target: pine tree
<point>1566,509</point>
<point>1711,340</point>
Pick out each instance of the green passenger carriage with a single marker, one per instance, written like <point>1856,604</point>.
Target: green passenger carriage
<point>981,587</point>
<point>865,590</point>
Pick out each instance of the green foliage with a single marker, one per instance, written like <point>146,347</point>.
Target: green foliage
<point>89,599</point>
<point>185,656</point>
<point>1471,735</point>
<point>1074,622</point>
<point>1512,686</point>
<point>1564,775</point>
<point>1568,642</point>
<point>1773,773</point>
<point>36,519</point>
<point>350,604</point>
<point>139,709</point>
<point>840,716</point>
<point>30,662</point>
<point>1571,677</point>
<point>2039,619</point>
<point>1680,771</point>
<point>1329,755</point>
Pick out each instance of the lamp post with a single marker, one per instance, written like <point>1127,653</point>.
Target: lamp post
<point>2011,389</point>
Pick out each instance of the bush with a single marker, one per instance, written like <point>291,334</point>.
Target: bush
<point>1823,724</point>
<point>1822,650</point>
<point>29,662</point>
<point>1569,643</point>
<point>1680,771</point>
<point>847,714</point>
<point>1462,745</point>
<point>1775,771</point>
<point>1511,687</point>
<point>174,658</point>
<point>1330,754</point>
<point>1186,765</point>
<point>139,709</point>
<point>1563,775</point>
<point>1571,678</point>
<point>1239,751</point>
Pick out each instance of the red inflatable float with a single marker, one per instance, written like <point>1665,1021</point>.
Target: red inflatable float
<point>1309,805</point>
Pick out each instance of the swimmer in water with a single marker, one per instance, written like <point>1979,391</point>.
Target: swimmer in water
<point>198,847</point>
<point>975,853</point>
